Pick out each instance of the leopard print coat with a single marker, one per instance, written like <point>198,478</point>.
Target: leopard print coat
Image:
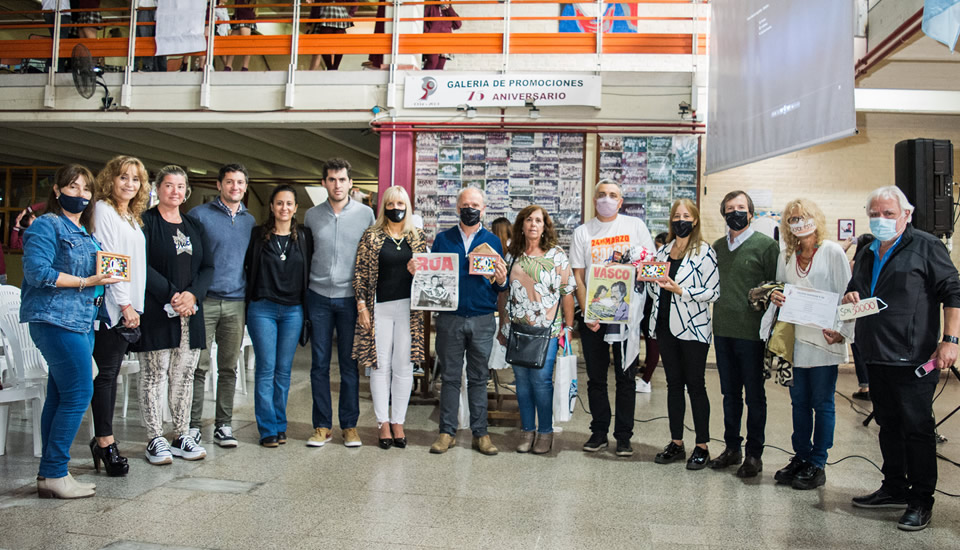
<point>365,288</point>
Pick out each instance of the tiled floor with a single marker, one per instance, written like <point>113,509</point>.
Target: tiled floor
<point>334,497</point>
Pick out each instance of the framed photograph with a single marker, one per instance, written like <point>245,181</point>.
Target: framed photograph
<point>116,265</point>
<point>482,264</point>
<point>846,229</point>
<point>651,271</point>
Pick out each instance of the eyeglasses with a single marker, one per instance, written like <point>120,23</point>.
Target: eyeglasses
<point>795,219</point>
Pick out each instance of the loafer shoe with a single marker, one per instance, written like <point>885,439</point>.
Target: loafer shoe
<point>879,499</point>
<point>671,453</point>
<point>916,518</point>
<point>729,457</point>
<point>698,459</point>
<point>751,467</point>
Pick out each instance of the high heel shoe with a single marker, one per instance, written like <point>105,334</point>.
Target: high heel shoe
<point>113,463</point>
<point>398,442</point>
<point>384,442</point>
<point>61,487</point>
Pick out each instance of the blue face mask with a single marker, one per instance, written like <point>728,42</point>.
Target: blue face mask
<point>74,205</point>
<point>883,229</point>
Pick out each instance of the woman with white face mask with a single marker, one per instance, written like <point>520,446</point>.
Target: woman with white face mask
<point>810,261</point>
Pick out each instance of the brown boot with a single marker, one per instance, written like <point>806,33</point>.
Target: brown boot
<point>444,442</point>
<point>544,444</point>
<point>526,442</point>
<point>484,445</point>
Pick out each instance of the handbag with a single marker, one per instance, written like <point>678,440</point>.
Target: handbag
<point>305,329</point>
<point>527,345</point>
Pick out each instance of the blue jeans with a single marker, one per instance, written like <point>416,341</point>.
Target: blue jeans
<point>535,393</point>
<point>275,331</point>
<point>327,314</point>
<point>814,414</point>
<point>69,390</point>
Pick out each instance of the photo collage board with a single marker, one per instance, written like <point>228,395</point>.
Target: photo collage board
<point>653,171</point>
<point>515,170</point>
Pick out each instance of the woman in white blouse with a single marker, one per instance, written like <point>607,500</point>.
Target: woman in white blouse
<point>810,261</point>
<point>123,185</point>
<point>680,320</point>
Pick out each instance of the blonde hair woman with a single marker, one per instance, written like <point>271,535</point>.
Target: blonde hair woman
<point>123,186</point>
<point>810,261</point>
<point>390,342</point>
<point>680,320</point>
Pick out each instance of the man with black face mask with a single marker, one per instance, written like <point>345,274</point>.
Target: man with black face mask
<point>745,258</point>
<point>470,329</point>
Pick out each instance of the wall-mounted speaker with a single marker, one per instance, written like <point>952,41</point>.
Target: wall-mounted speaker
<point>924,172</point>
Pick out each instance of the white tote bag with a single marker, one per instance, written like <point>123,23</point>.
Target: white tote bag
<point>564,383</point>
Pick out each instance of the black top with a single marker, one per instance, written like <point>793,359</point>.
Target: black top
<point>663,309</point>
<point>292,278</point>
<point>280,263</point>
<point>393,278</point>
<point>165,277</point>
<point>183,244</point>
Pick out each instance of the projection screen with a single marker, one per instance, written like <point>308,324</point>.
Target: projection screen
<point>781,78</point>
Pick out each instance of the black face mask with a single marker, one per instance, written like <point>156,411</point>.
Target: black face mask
<point>469,216</point>
<point>682,228</point>
<point>737,219</point>
<point>395,215</point>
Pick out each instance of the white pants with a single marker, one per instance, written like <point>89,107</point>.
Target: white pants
<point>394,373</point>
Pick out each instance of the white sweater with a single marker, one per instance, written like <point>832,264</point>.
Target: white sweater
<point>830,271</point>
<point>119,236</point>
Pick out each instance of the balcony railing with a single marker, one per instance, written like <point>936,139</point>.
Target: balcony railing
<point>490,27</point>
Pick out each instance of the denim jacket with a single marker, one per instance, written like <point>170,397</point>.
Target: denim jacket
<point>53,245</point>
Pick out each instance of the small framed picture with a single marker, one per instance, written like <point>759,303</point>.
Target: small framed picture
<point>482,264</point>
<point>846,229</point>
<point>652,271</point>
<point>116,265</point>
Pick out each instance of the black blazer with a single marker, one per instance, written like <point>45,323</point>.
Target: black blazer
<point>252,260</point>
<point>157,330</point>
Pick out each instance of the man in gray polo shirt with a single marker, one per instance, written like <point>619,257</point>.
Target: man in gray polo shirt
<point>337,225</point>
<point>228,224</point>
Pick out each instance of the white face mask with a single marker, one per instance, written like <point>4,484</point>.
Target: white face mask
<point>803,228</point>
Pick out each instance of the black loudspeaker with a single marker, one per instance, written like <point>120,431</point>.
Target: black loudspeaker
<point>924,172</point>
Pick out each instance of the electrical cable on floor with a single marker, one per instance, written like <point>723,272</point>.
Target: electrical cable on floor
<point>853,405</point>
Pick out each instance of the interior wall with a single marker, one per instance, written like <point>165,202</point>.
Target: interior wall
<point>837,176</point>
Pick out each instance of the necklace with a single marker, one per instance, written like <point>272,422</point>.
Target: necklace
<point>397,242</point>
<point>283,251</point>
<point>802,272</point>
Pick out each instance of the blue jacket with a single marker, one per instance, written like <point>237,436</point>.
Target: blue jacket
<point>478,296</point>
<point>228,236</point>
<point>53,245</point>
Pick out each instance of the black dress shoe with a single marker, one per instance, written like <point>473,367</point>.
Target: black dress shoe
<point>879,499</point>
<point>400,442</point>
<point>810,477</point>
<point>282,438</point>
<point>596,442</point>
<point>916,518</point>
<point>862,394</point>
<point>728,457</point>
<point>751,467</point>
<point>671,453</point>
<point>785,475</point>
<point>698,459</point>
<point>270,441</point>
<point>114,464</point>
<point>385,442</point>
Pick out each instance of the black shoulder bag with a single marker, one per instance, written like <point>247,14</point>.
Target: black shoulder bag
<point>527,344</point>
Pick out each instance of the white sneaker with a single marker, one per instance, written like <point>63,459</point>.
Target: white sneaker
<point>643,387</point>
<point>196,435</point>
<point>158,451</point>
<point>186,448</point>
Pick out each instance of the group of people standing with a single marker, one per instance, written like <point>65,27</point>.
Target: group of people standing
<point>348,271</point>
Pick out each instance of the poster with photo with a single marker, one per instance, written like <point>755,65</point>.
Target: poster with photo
<point>609,292</point>
<point>498,170</point>
<point>450,138</point>
<point>473,170</point>
<point>449,171</point>
<point>436,282</point>
<point>450,154</point>
<point>522,140</point>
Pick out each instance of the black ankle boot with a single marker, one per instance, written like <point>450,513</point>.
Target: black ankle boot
<point>113,463</point>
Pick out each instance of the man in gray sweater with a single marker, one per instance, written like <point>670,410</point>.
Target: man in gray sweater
<point>337,225</point>
<point>227,224</point>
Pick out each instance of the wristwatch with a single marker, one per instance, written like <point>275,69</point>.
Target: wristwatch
<point>951,339</point>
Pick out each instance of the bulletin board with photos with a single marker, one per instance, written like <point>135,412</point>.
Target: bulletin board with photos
<point>514,170</point>
<point>653,171</point>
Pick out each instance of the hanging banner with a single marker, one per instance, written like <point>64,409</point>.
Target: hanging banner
<point>590,25</point>
<point>180,26</point>
<point>499,90</point>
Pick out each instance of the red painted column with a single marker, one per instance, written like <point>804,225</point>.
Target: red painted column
<point>403,161</point>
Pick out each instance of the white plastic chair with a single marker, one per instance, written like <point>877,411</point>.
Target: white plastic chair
<point>18,385</point>
<point>245,362</point>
